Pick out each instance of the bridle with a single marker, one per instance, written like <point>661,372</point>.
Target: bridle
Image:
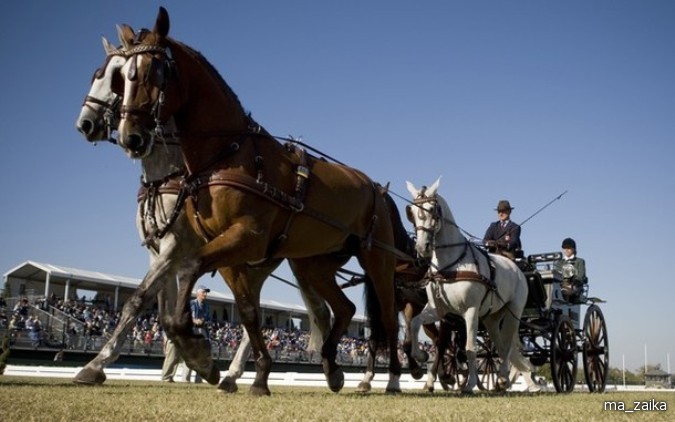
<point>160,71</point>
<point>437,220</point>
<point>108,111</point>
<point>435,213</point>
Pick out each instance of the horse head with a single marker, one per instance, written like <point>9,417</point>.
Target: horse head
<point>148,101</point>
<point>99,116</point>
<point>165,78</point>
<point>426,216</point>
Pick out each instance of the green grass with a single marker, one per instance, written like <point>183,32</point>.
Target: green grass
<point>49,399</point>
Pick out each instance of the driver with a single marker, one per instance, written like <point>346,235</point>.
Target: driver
<point>573,270</point>
<point>503,236</point>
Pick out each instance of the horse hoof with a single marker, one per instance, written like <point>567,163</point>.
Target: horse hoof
<point>88,376</point>
<point>392,391</point>
<point>503,384</point>
<point>336,380</point>
<point>228,385</point>
<point>445,386</point>
<point>446,380</point>
<point>417,373</point>
<point>429,389</point>
<point>214,375</point>
<point>259,391</point>
<point>363,387</point>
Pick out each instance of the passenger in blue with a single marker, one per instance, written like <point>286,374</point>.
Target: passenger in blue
<point>201,320</point>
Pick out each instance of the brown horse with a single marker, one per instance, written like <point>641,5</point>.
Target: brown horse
<point>161,170</point>
<point>253,199</point>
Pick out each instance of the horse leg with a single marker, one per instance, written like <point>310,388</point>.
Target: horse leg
<point>520,364</point>
<point>447,375</point>
<point>425,318</point>
<point>256,277</point>
<point>318,314</point>
<point>319,272</point>
<point>380,293</point>
<point>237,366</point>
<point>471,319</point>
<point>365,384</point>
<point>159,276</point>
<point>247,295</point>
<point>409,311</point>
<point>194,348</point>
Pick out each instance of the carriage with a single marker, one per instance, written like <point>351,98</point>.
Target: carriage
<point>551,331</point>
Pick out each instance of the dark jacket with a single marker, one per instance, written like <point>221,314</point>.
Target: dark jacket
<point>506,238</point>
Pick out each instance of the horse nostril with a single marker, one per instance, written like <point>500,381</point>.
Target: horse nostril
<point>86,127</point>
<point>133,142</point>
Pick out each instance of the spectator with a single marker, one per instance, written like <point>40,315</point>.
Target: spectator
<point>172,360</point>
<point>201,319</point>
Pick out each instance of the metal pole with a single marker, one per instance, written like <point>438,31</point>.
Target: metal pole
<point>645,363</point>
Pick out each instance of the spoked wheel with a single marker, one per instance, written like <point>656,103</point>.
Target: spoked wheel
<point>595,350</point>
<point>563,356</point>
<point>487,364</point>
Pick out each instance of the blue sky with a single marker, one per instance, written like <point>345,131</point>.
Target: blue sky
<point>519,100</point>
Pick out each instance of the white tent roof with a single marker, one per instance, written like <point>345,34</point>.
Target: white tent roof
<point>92,280</point>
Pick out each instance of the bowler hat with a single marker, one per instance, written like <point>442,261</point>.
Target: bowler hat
<point>569,243</point>
<point>503,205</point>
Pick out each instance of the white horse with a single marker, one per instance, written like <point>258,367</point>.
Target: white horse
<point>460,284</point>
<point>161,172</point>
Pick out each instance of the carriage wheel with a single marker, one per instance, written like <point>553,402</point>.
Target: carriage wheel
<point>487,364</point>
<point>564,356</point>
<point>595,350</point>
<point>454,364</point>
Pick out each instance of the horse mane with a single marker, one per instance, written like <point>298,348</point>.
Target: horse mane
<point>198,56</point>
<point>402,241</point>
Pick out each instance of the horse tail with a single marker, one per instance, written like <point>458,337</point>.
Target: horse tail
<point>378,335</point>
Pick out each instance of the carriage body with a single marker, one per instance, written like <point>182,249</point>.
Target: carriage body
<point>554,330</point>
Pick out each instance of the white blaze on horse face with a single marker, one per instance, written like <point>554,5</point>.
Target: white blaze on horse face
<point>101,90</point>
<point>136,140</point>
<point>129,89</point>
<point>421,219</point>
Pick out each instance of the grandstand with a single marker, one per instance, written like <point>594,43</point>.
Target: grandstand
<point>41,283</point>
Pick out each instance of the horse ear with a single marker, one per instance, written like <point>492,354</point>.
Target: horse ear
<point>107,46</point>
<point>412,189</point>
<point>162,23</point>
<point>434,187</point>
<point>126,36</point>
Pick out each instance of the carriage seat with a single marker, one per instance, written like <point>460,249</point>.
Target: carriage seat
<point>536,296</point>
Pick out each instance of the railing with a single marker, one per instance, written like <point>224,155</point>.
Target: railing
<point>22,339</point>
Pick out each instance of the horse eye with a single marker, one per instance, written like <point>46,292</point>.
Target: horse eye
<point>409,213</point>
<point>98,74</point>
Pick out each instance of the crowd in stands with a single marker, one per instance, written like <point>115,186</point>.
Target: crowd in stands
<point>89,326</point>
